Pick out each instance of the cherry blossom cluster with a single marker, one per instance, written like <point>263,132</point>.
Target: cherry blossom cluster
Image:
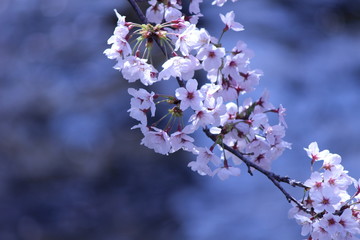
<point>219,104</point>
<point>330,212</point>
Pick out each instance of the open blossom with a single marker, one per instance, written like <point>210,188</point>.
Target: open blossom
<point>216,108</point>
<point>306,223</point>
<point>187,40</point>
<point>158,140</point>
<point>183,67</point>
<point>181,139</point>
<point>211,56</point>
<point>155,13</point>
<point>204,37</point>
<point>332,162</point>
<point>172,10</point>
<point>141,103</point>
<point>348,224</point>
<point>146,99</point>
<point>137,68</point>
<point>233,65</point>
<point>201,118</point>
<point>189,96</point>
<point>325,200</point>
<point>201,165</point>
<point>137,112</point>
<point>194,6</point>
<point>315,182</point>
<point>158,11</point>
<point>314,153</point>
<point>119,49</point>
<point>228,20</point>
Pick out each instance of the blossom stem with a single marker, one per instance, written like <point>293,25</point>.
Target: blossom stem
<point>222,34</point>
<point>158,121</point>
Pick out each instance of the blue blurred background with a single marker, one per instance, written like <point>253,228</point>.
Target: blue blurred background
<point>71,168</point>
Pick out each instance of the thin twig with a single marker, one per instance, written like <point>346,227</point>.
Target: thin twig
<point>138,11</point>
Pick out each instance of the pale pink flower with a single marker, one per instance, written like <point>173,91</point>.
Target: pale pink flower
<point>320,233</point>
<point>232,66</point>
<point>325,200</point>
<point>137,112</point>
<point>194,19</point>
<point>181,139</point>
<point>332,162</point>
<point>281,112</point>
<point>189,96</point>
<point>314,153</point>
<point>201,118</point>
<point>200,167</point>
<point>194,6</point>
<point>231,111</point>
<point>172,13</point>
<point>137,68</point>
<point>211,56</point>
<point>241,48</point>
<point>315,182</point>
<point>228,19</point>
<point>158,140</point>
<point>204,37</point>
<point>274,134</point>
<point>331,224</point>
<point>249,80</point>
<point>121,19</point>
<point>155,13</point>
<point>205,155</point>
<point>348,223</point>
<point>337,179</point>
<point>119,49</point>
<point>187,40</point>
<point>146,99</point>
<point>216,108</point>
<point>306,223</point>
<point>264,102</point>
<point>183,67</point>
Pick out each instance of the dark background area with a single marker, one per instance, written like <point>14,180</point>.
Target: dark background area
<point>71,168</point>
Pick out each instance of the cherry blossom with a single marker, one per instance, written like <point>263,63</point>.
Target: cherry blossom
<point>314,153</point>
<point>190,96</point>
<point>187,40</point>
<point>194,6</point>
<point>211,57</point>
<point>158,140</point>
<point>155,12</point>
<point>183,67</point>
<point>228,20</point>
